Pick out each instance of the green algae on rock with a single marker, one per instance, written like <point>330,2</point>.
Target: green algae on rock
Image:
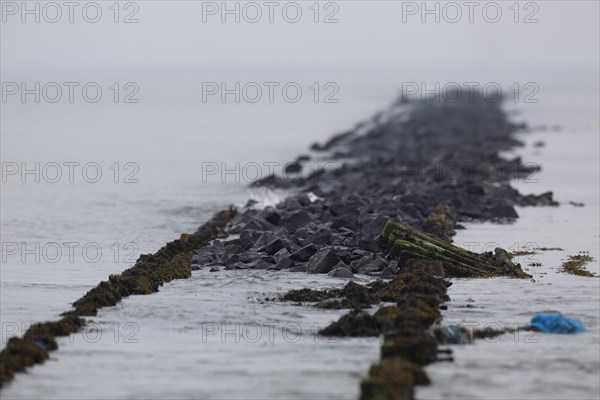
<point>418,291</point>
<point>440,223</point>
<point>407,346</point>
<point>410,243</point>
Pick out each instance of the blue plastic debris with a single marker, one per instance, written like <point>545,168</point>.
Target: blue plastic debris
<point>41,344</point>
<point>454,334</point>
<point>553,322</point>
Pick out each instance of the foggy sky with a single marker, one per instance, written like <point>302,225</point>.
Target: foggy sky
<point>368,33</point>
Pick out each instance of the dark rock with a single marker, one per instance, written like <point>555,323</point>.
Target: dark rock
<point>247,238</point>
<point>295,247</point>
<point>387,273</point>
<point>296,220</point>
<point>289,204</point>
<point>281,254</point>
<point>237,265</point>
<point>338,240</point>
<point>251,203</point>
<point>356,323</point>
<point>423,266</point>
<point>264,239</point>
<point>268,259</point>
<point>545,199</point>
<point>303,233</point>
<point>357,254</point>
<point>304,200</point>
<point>477,190</point>
<point>250,256</point>
<point>232,253</point>
<point>293,168</point>
<point>349,221</point>
<point>231,243</point>
<point>341,271</point>
<point>332,304</point>
<point>321,237</point>
<point>440,223</point>
<point>260,264</point>
<point>270,215</point>
<point>202,258</point>
<point>248,220</point>
<point>284,263</point>
<point>503,211</point>
<point>257,224</point>
<point>303,254</point>
<point>368,264</point>
<point>365,241</point>
<point>346,254</point>
<point>314,208</point>
<point>346,232</point>
<point>276,245</point>
<point>378,265</point>
<point>323,261</point>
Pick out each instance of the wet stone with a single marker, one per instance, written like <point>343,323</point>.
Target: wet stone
<point>276,245</point>
<point>304,254</point>
<point>341,271</point>
<point>284,263</point>
<point>281,254</point>
<point>270,215</point>
<point>298,268</point>
<point>296,220</point>
<point>264,239</point>
<point>323,261</point>
<point>321,237</point>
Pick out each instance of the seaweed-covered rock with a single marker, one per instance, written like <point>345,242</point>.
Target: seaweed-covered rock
<point>356,323</point>
<point>410,243</point>
<point>173,261</point>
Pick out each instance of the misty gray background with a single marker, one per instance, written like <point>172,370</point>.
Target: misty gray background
<point>369,33</point>
<point>170,133</point>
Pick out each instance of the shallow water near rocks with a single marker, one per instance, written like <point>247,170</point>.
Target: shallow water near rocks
<point>212,336</point>
<point>170,358</point>
<point>526,365</point>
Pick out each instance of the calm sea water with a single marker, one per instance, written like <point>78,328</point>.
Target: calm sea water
<point>170,344</point>
<point>538,366</point>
